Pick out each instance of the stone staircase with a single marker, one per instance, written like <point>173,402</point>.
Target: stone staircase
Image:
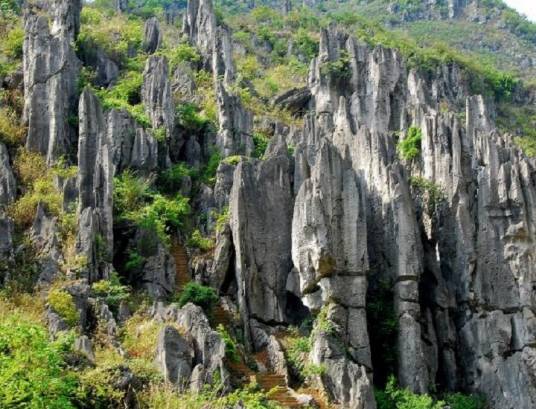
<point>182,277</point>
<point>274,385</point>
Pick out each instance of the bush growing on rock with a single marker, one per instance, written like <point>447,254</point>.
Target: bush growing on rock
<point>410,147</point>
<point>33,370</point>
<point>204,297</point>
<point>63,304</point>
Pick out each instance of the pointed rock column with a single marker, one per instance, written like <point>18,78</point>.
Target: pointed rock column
<point>152,36</point>
<point>329,249</point>
<point>7,195</point>
<point>260,205</point>
<point>95,186</point>
<point>51,70</point>
<point>158,102</point>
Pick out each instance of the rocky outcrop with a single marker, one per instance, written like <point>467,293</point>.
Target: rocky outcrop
<point>8,187</point>
<point>260,207</point>
<point>7,195</point>
<point>174,356</point>
<point>236,122</point>
<point>158,102</point>
<point>152,37</point>
<point>51,70</point>
<point>95,179</point>
<point>199,26</point>
<point>46,243</point>
<point>329,249</point>
<point>208,347</point>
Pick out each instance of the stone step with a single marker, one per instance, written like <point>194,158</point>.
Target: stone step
<point>180,256</point>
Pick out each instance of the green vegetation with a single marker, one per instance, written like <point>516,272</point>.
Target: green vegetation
<point>165,397</point>
<point>433,192</point>
<point>520,121</point>
<point>208,173</point>
<point>231,349</point>
<point>339,69</point>
<point>182,53</point>
<point>396,398</point>
<point>204,297</point>
<point>126,94</point>
<point>11,132</point>
<point>171,180</point>
<point>115,34</point>
<point>33,370</point>
<point>222,219</point>
<point>111,291</point>
<point>410,147</point>
<point>260,141</point>
<point>134,201</point>
<point>63,304</point>
<point>197,240</point>
<point>189,117</point>
<point>39,186</point>
<point>232,160</point>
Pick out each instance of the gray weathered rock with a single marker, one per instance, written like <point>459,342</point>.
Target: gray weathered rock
<point>174,356</point>
<point>260,206</point>
<point>95,178</point>
<point>152,37</point>
<point>8,187</point>
<point>50,79</point>
<point>46,241</point>
<point>83,345</point>
<point>199,26</point>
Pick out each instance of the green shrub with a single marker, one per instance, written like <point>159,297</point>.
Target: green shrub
<point>182,53</point>
<point>434,192</point>
<point>461,401</point>
<point>232,160</point>
<point>130,193</point>
<point>260,140</point>
<point>63,304</point>
<point>527,145</point>
<point>12,44</point>
<point>208,173</point>
<point>197,240</point>
<point>134,262</point>
<point>32,171</point>
<point>339,69</point>
<point>33,371</point>
<point>410,147</point>
<point>171,179</point>
<point>188,117</point>
<point>222,219</point>
<point>134,201</point>
<point>115,34</point>
<point>111,290</point>
<point>306,45</point>
<point>297,353</point>
<point>11,131</point>
<point>231,350</point>
<point>162,215</point>
<point>126,94</point>
<point>200,295</point>
<point>394,398</point>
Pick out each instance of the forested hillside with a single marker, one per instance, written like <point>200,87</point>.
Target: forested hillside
<point>267,204</point>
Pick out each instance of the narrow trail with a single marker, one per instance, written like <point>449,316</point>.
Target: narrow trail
<point>182,277</point>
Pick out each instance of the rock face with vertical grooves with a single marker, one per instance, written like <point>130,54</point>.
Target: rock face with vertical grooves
<point>215,44</point>
<point>174,356</point>
<point>260,205</point>
<point>152,37</point>
<point>199,26</point>
<point>95,174</point>
<point>51,70</point>
<point>158,102</point>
